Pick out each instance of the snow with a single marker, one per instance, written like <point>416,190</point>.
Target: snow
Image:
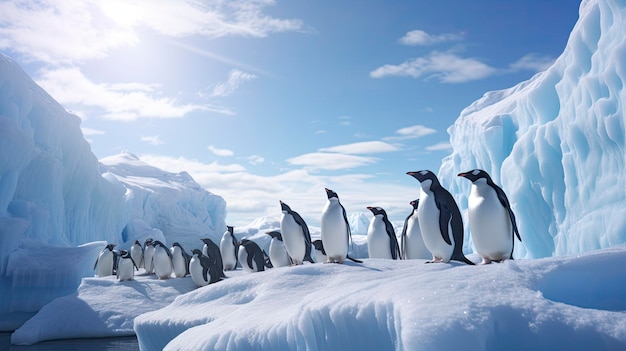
<point>554,143</point>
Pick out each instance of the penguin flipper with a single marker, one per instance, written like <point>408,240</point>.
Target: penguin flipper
<point>134,264</point>
<point>444,221</point>
<point>353,259</point>
<point>250,261</point>
<point>96,263</point>
<point>504,200</point>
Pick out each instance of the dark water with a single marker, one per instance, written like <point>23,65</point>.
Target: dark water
<point>107,344</point>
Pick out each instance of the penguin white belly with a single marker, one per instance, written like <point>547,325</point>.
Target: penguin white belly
<point>334,232</point>
<point>428,217</point>
<point>227,250</point>
<point>136,252</point>
<point>195,270</point>
<point>278,254</point>
<point>105,263</point>
<point>243,258</point>
<point>178,262</point>
<point>490,225</point>
<point>125,269</point>
<point>293,238</point>
<point>378,244</point>
<point>162,263</point>
<point>415,247</point>
<point>148,255</point>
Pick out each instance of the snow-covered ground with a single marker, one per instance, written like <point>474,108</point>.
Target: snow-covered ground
<point>566,303</point>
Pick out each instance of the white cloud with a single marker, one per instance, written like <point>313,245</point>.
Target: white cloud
<point>446,67</point>
<point>416,131</point>
<point>69,86</point>
<point>439,147</point>
<point>419,37</point>
<point>235,78</point>
<point>330,161</point>
<point>366,147</point>
<point>91,131</point>
<point>60,31</point>
<point>154,140</point>
<point>220,152</point>
<point>533,62</point>
<point>255,159</point>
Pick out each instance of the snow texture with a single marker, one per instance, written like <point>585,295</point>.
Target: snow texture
<point>555,143</point>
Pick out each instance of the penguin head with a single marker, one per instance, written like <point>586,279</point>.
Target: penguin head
<point>284,207</point>
<point>137,242</point>
<point>207,241</point>
<point>158,243</point>
<point>196,252</point>
<point>415,203</point>
<point>110,247</point>
<point>230,229</point>
<point>124,253</point>
<point>331,194</point>
<point>275,234</point>
<point>377,211</point>
<point>148,241</point>
<point>426,178</point>
<point>176,244</point>
<point>475,174</point>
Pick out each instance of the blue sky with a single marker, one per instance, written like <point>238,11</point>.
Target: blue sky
<point>263,101</point>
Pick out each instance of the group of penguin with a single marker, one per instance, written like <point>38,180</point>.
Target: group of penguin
<point>434,229</point>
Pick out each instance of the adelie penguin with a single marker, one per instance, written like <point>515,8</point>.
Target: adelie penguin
<point>148,253</point>
<point>126,266</point>
<point>162,260</point>
<point>180,260</point>
<point>491,219</point>
<point>381,237</point>
<point>439,219</point>
<point>136,252</point>
<point>106,262</point>
<point>411,243</point>
<point>203,269</point>
<point>251,256</point>
<point>278,254</point>
<point>296,235</point>
<point>228,248</point>
<point>335,229</point>
<point>213,251</point>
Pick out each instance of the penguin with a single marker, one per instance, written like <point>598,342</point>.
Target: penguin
<point>148,253</point>
<point>491,219</point>
<point>411,243</point>
<point>203,269</point>
<point>320,253</point>
<point>278,254</point>
<point>162,260</point>
<point>335,229</point>
<point>106,261</point>
<point>213,251</point>
<point>439,219</point>
<point>136,252</point>
<point>381,237</point>
<point>180,260</point>
<point>126,266</point>
<point>251,256</point>
<point>228,249</point>
<point>296,235</point>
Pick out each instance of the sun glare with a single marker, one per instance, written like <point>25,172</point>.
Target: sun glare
<point>123,13</point>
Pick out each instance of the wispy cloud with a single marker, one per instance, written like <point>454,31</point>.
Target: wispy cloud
<point>58,31</point>
<point>220,152</point>
<point>154,140</point>
<point>235,78</point>
<point>445,67</point>
<point>439,147</point>
<point>330,161</point>
<point>91,131</point>
<point>255,159</point>
<point>366,147</point>
<point>69,86</point>
<point>533,62</point>
<point>419,37</point>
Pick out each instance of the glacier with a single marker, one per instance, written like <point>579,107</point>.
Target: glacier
<point>555,143</point>
<point>58,200</point>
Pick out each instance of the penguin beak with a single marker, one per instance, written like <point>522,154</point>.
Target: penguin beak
<point>461,174</point>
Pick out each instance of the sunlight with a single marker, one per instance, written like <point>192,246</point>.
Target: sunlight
<point>123,13</point>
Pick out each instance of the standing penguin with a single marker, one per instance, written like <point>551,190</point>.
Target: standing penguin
<point>411,243</point>
<point>491,219</point>
<point>296,235</point>
<point>126,266</point>
<point>136,252</point>
<point>203,269</point>
<point>439,219</point>
<point>251,256</point>
<point>162,260</point>
<point>148,253</point>
<point>213,251</point>
<point>336,234</point>
<point>381,237</point>
<point>180,260</point>
<point>278,254</point>
<point>106,261</point>
<point>228,249</point>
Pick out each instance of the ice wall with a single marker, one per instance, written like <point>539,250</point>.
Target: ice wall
<point>55,196</point>
<point>556,142</point>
